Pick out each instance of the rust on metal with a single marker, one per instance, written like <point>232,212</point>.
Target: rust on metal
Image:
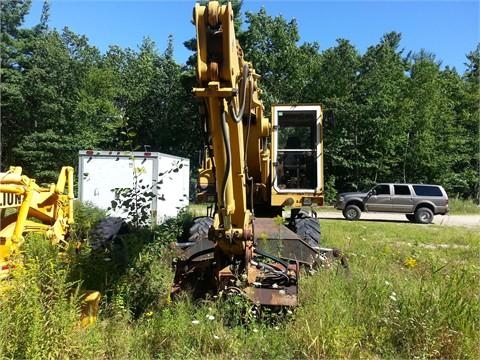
<point>287,296</point>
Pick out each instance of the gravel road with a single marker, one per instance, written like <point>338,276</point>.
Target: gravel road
<point>472,221</point>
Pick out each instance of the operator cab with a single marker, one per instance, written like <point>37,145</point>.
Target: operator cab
<point>297,146</point>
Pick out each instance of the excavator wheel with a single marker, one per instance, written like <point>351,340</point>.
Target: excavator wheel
<point>199,229</point>
<point>308,228</point>
<point>194,276</point>
<point>103,235</point>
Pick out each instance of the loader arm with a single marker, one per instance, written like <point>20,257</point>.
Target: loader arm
<point>27,207</point>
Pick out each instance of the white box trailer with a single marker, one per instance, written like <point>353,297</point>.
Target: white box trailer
<point>100,173</point>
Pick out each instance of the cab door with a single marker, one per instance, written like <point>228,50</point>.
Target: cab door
<point>380,198</point>
<point>297,149</point>
<point>402,200</point>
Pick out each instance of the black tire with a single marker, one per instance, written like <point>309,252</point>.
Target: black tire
<point>308,228</point>
<point>199,229</point>
<point>410,217</point>
<point>352,212</point>
<point>423,215</point>
<point>103,234</point>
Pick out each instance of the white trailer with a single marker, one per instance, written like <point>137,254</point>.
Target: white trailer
<point>101,174</point>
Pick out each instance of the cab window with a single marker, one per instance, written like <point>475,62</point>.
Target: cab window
<point>401,189</point>
<point>382,190</point>
<point>424,190</point>
<point>296,154</point>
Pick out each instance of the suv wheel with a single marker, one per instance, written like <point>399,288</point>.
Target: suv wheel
<point>423,215</point>
<point>352,212</point>
<point>410,217</point>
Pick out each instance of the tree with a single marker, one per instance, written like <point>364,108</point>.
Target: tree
<point>380,124</point>
<point>470,115</point>
<point>456,140</point>
<point>67,98</point>
<point>271,44</point>
<point>12,14</point>
<point>158,110</point>
<point>333,84</point>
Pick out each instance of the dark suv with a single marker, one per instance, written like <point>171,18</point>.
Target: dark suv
<point>419,202</point>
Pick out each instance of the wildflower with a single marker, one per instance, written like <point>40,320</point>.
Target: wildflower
<point>195,322</point>
<point>149,313</point>
<point>410,262</point>
<point>216,337</point>
<point>210,317</point>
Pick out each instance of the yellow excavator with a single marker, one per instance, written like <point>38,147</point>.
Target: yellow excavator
<point>252,169</point>
<point>26,207</point>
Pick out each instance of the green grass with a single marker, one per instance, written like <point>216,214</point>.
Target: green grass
<point>458,206</point>
<point>198,209</point>
<point>412,292</point>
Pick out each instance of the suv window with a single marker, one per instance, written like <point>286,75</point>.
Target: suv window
<point>423,190</point>
<point>401,189</point>
<point>382,189</point>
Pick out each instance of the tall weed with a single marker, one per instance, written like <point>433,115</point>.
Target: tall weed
<point>40,311</point>
<point>412,292</point>
<point>460,206</point>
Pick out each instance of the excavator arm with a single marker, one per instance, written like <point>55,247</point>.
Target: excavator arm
<point>234,116</point>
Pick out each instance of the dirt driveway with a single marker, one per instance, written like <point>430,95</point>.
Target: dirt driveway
<point>445,220</point>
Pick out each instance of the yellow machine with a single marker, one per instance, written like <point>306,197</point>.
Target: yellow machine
<point>26,207</point>
<point>252,167</point>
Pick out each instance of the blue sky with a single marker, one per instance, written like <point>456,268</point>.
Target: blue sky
<point>448,29</point>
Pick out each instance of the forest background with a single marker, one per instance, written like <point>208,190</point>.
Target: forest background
<point>392,116</point>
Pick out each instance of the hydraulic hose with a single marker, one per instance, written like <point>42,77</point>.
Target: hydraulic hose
<point>238,117</point>
<point>278,275</point>
<point>269,256</point>
<point>228,160</point>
